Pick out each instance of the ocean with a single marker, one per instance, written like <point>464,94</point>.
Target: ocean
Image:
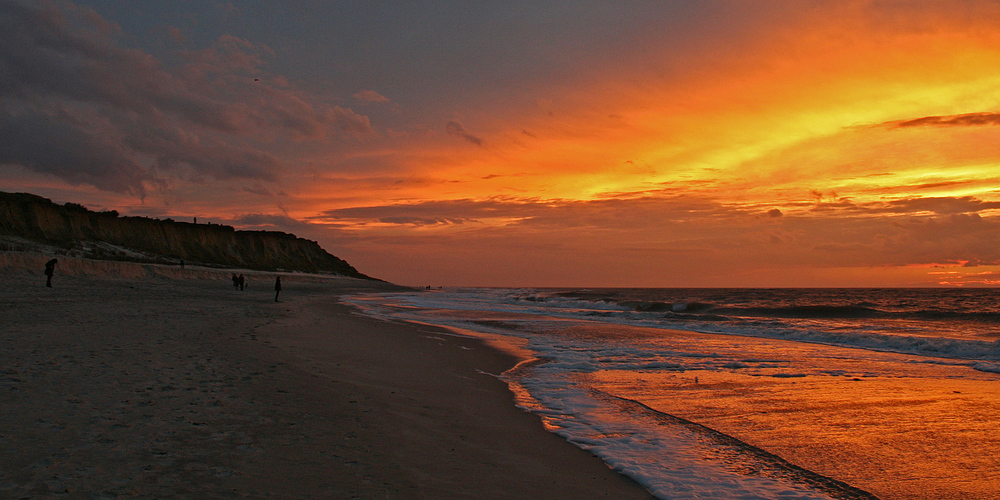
<point>752,393</point>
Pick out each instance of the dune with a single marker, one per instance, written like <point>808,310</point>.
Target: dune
<point>32,223</point>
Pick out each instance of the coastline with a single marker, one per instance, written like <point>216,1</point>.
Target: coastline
<point>700,410</point>
<point>126,383</point>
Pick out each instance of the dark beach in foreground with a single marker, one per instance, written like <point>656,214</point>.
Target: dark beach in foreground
<point>127,380</point>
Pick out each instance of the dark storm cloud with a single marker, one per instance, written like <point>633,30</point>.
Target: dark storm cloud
<point>119,119</point>
<point>174,148</point>
<point>455,128</point>
<point>70,152</point>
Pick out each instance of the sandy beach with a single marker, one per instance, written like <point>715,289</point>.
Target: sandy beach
<point>127,380</point>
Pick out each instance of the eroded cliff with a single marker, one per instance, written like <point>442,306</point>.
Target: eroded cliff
<point>105,235</point>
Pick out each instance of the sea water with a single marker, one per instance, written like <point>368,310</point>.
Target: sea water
<point>754,393</point>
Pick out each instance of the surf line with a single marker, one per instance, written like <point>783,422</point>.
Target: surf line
<point>754,461</point>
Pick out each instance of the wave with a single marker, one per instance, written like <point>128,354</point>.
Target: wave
<point>808,311</point>
<point>906,344</point>
<point>708,311</point>
<point>859,312</point>
<point>957,334</point>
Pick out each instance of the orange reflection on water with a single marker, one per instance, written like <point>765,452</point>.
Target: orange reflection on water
<point>883,423</point>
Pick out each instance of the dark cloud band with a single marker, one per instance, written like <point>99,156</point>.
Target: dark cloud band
<point>456,129</point>
<point>76,104</point>
<point>964,120</point>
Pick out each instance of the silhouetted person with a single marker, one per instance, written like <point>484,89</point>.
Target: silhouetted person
<point>277,287</point>
<point>50,269</point>
<point>236,282</point>
<point>182,263</point>
<point>241,281</point>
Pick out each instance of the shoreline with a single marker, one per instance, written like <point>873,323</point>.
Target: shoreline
<point>135,384</point>
<point>441,414</point>
<point>847,419</point>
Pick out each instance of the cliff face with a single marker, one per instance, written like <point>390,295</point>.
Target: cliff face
<point>73,226</point>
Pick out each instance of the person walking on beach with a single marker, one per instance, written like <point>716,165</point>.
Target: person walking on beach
<point>50,269</point>
<point>241,281</point>
<point>277,287</point>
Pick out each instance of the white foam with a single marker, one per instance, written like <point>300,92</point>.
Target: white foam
<point>987,367</point>
<point>670,460</point>
<point>512,301</point>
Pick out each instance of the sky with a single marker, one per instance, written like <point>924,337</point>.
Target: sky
<point>536,143</point>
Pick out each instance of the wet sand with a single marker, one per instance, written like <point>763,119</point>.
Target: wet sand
<point>129,381</point>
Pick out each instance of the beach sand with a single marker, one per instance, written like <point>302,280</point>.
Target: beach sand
<point>145,381</point>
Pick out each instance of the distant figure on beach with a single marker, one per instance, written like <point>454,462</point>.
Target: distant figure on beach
<point>182,263</point>
<point>241,281</point>
<point>50,269</point>
<point>236,282</point>
<point>277,287</point>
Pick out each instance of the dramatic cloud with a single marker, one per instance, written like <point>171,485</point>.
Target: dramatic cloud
<point>119,119</point>
<point>456,129</point>
<point>663,144</point>
<point>71,152</point>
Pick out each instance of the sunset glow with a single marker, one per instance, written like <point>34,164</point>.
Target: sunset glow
<point>671,144</point>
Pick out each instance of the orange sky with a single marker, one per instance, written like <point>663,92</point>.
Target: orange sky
<point>797,144</point>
